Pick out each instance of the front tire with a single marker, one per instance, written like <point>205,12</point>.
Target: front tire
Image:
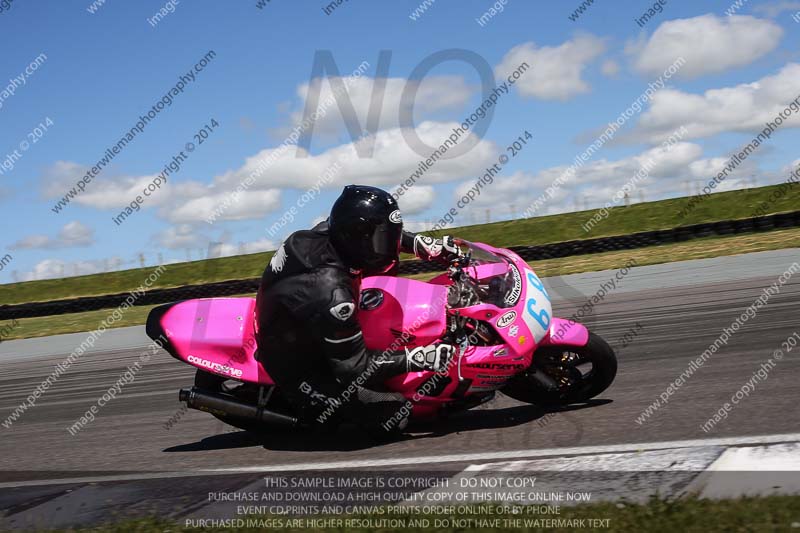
<point>561,364</point>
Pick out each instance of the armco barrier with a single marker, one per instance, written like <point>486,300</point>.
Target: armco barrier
<point>529,253</point>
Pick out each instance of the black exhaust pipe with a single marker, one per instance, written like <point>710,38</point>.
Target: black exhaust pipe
<point>222,405</point>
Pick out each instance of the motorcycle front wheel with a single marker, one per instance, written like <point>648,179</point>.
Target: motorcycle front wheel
<point>575,374</point>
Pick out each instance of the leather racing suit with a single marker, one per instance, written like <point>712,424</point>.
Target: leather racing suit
<point>311,343</point>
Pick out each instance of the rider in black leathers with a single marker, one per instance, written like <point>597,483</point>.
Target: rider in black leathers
<point>309,338</point>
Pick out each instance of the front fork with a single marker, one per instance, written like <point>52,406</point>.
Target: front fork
<point>562,332</point>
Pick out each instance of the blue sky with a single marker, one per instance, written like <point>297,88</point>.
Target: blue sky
<point>105,69</point>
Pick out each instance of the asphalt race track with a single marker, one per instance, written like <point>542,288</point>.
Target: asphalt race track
<point>680,309</point>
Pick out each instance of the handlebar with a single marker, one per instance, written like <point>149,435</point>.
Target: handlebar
<point>458,264</point>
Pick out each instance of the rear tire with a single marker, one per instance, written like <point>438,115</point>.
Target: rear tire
<point>560,363</point>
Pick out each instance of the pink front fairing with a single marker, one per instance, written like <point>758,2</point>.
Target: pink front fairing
<point>216,335</point>
<point>563,332</point>
<point>406,312</point>
<point>532,311</point>
<point>483,369</point>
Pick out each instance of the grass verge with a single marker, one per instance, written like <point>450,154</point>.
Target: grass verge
<point>663,214</point>
<point>695,249</point>
<point>767,514</point>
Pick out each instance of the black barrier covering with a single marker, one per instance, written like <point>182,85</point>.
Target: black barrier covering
<point>110,301</point>
<point>529,253</point>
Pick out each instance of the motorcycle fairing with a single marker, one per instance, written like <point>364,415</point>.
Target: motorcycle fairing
<point>217,335</point>
<point>410,313</point>
<point>564,332</point>
<point>213,334</point>
<point>533,313</point>
<point>484,368</point>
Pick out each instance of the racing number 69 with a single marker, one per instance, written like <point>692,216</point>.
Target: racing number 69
<point>541,316</point>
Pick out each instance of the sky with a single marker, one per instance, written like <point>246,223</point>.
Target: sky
<point>687,87</point>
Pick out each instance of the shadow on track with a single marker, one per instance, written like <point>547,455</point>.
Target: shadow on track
<point>280,439</point>
<point>499,418</point>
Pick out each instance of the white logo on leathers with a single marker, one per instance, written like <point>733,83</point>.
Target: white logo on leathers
<point>278,260</point>
<point>343,311</point>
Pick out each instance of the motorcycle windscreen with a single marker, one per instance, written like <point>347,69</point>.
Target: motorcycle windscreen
<point>399,312</point>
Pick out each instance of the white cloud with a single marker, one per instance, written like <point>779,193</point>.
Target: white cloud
<point>434,93</point>
<point>181,236</point>
<point>187,236</point>
<point>117,193</point>
<point>709,43</point>
<point>57,179</point>
<point>505,196</point>
<point>743,108</point>
<point>418,226</point>
<point>76,234</point>
<point>227,249</point>
<point>416,199</point>
<point>664,164</point>
<point>773,9</point>
<point>181,202</point>
<point>555,72</point>
<point>252,204</point>
<point>596,182</point>
<point>610,68</point>
<point>56,268</point>
<point>392,162</point>
<point>109,193</point>
<point>72,234</point>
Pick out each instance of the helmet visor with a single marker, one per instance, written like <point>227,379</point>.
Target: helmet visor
<point>384,248</point>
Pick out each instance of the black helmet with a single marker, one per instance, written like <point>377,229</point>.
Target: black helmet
<point>365,228</point>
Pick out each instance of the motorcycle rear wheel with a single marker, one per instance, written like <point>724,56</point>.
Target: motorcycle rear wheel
<point>560,363</point>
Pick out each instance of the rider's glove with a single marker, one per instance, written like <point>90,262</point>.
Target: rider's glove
<point>435,357</point>
<point>441,250</point>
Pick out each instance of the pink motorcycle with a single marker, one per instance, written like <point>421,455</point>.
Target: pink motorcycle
<point>489,303</point>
